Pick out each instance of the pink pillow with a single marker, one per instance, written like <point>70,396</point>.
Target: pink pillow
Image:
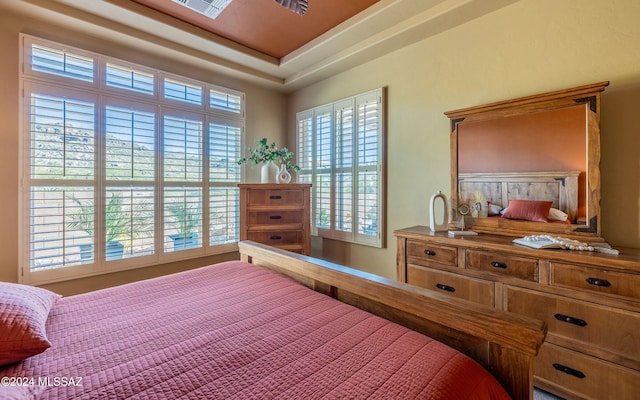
<point>529,210</point>
<point>23,314</point>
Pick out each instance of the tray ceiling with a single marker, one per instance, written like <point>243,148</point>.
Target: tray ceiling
<point>265,25</point>
<point>261,41</point>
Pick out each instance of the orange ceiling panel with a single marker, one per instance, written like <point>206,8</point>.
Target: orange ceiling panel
<point>264,25</point>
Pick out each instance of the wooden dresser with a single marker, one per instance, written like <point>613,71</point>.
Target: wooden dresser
<point>277,215</point>
<point>590,302</point>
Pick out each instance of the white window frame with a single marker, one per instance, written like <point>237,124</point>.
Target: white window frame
<point>315,127</point>
<point>101,96</point>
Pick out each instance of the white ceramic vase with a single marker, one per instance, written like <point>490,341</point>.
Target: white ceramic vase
<point>283,175</point>
<point>268,172</point>
<point>443,211</point>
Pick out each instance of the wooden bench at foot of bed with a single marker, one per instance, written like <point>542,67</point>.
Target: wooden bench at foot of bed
<point>504,343</point>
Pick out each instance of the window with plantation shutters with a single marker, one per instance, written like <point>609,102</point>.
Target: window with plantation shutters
<point>124,165</point>
<point>340,152</point>
<point>225,147</point>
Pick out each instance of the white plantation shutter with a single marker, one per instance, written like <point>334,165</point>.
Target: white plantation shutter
<point>130,144</point>
<point>53,242</point>
<point>226,100</point>
<point>182,149</point>
<point>182,91</point>
<point>182,218</point>
<point>129,171</point>
<point>340,148</point>
<point>224,204</point>
<point>368,165</point>
<point>183,165</point>
<point>124,166</point>
<point>305,145</point>
<point>60,163</point>
<point>304,158</point>
<point>62,136</point>
<point>129,213</point>
<point>130,78</point>
<point>225,148</point>
<point>322,168</point>
<point>344,155</point>
<point>62,63</point>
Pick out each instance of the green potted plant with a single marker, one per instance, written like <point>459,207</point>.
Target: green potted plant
<point>116,227</point>
<point>187,220</point>
<point>266,154</point>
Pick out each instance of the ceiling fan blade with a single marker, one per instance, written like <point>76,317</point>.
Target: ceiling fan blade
<point>297,6</point>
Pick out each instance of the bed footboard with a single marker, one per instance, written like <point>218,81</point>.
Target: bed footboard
<point>504,343</point>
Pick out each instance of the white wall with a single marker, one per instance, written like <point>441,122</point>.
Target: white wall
<point>530,47</point>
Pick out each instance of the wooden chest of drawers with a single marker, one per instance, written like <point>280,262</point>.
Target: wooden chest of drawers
<point>277,215</point>
<point>590,302</point>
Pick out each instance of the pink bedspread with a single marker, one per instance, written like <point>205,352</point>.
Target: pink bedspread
<point>237,331</point>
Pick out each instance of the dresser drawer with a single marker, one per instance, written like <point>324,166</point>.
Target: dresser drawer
<point>584,376</point>
<point>503,264</point>
<point>462,287</point>
<point>276,238</point>
<point>597,280</point>
<point>423,253</point>
<point>597,328</point>
<point>275,198</point>
<point>275,217</point>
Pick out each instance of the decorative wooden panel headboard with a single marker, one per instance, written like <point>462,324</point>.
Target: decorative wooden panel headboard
<point>498,188</point>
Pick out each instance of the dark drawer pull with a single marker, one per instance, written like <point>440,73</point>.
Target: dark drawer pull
<point>275,217</point>
<point>569,371</point>
<point>571,320</point>
<point>275,237</point>
<point>498,264</point>
<point>430,252</point>
<point>446,288</point>
<point>598,282</point>
<point>275,197</point>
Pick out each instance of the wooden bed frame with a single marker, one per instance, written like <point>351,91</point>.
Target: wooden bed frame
<point>504,343</point>
<point>559,187</point>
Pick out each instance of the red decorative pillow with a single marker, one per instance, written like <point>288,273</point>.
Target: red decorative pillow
<point>528,210</point>
<point>23,314</point>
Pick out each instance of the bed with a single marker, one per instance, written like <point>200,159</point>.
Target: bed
<point>559,187</point>
<point>253,329</point>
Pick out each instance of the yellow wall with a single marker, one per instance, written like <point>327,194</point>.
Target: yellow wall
<point>532,46</point>
<point>265,116</point>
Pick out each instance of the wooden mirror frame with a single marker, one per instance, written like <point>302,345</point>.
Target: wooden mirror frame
<point>589,96</point>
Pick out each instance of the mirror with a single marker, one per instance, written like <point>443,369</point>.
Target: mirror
<point>526,153</point>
